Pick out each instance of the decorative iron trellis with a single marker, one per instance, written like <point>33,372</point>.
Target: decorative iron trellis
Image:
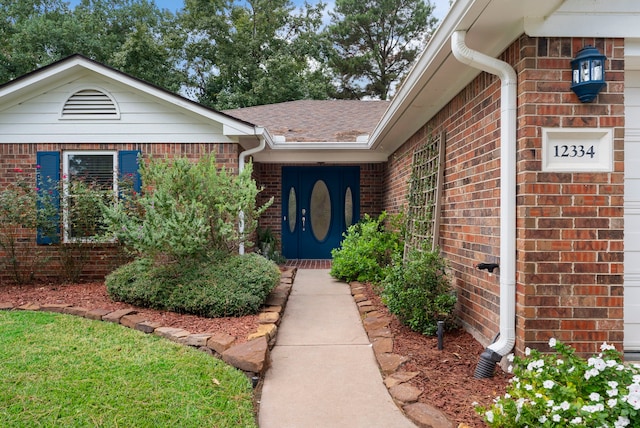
<point>425,189</point>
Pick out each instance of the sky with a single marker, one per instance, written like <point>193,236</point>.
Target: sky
<point>441,6</point>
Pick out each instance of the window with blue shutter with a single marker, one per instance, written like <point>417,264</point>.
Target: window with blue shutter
<point>49,195</point>
<point>95,169</point>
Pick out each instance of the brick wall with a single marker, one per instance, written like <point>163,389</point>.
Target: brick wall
<point>569,237</point>
<point>570,225</point>
<point>269,176</point>
<point>22,157</point>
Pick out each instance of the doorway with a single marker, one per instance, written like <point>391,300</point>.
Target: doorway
<point>319,203</point>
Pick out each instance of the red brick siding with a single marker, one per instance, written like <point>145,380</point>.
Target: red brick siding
<point>105,258</point>
<point>569,226</point>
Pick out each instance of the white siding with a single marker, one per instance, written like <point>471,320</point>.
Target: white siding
<point>142,119</point>
<point>632,212</point>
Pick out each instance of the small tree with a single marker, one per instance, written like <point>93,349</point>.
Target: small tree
<point>18,219</point>
<point>188,210</point>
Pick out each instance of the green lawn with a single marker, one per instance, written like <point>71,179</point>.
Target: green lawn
<point>67,371</point>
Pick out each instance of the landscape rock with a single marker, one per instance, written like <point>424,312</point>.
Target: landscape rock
<point>29,307</point>
<point>147,326</point>
<point>372,323</point>
<point>426,416</point>
<point>132,320</point>
<point>197,339</point>
<point>390,363</point>
<point>54,307</point>
<point>250,356</point>
<point>405,393</point>
<point>116,315</point>
<point>268,317</point>
<point>382,345</point>
<point>267,330</point>
<point>220,342</point>
<point>78,311</point>
<point>399,377</point>
<point>97,314</point>
<point>172,333</point>
<point>6,306</point>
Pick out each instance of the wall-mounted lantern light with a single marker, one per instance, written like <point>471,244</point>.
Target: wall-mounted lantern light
<point>588,73</point>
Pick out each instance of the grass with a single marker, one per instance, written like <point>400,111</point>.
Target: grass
<point>61,370</point>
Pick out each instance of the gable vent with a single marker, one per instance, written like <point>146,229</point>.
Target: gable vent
<point>90,104</point>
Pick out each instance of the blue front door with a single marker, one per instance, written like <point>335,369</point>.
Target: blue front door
<point>318,204</point>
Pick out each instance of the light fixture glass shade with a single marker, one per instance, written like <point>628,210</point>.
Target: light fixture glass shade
<point>587,73</point>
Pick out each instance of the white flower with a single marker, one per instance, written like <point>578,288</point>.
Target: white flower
<point>576,420</point>
<point>594,396</point>
<point>606,347</point>
<point>612,392</point>
<point>510,369</point>
<point>542,419</point>
<point>597,363</point>
<point>565,405</point>
<point>552,342</point>
<point>528,387</point>
<point>550,403</point>
<point>612,384</point>
<point>510,358</point>
<point>555,418</point>
<point>621,422</point>
<point>527,351</point>
<point>489,416</point>
<point>612,402</point>
<point>559,362</point>
<point>548,384</point>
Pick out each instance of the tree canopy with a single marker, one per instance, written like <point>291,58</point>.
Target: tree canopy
<point>374,42</point>
<point>225,53</point>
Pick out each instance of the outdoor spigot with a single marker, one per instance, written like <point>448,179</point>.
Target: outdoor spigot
<point>488,266</point>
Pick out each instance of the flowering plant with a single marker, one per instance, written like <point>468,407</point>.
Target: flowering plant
<point>563,390</point>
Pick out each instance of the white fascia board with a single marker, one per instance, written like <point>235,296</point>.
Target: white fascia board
<point>595,18</point>
<point>320,145</point>
<point>320,156</point>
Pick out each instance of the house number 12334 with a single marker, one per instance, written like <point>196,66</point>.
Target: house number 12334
<point>574,151</point>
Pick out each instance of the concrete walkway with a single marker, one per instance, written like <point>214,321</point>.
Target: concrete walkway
<point>323,371</point>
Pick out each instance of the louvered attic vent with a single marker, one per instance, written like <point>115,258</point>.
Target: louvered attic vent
<point>90,104</point>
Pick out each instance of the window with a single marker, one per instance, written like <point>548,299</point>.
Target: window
<point>99,171</point>
<point>88,179</point>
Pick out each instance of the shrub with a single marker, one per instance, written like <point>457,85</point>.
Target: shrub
<point>188,209</point>
<point>561,389</point>
<point>232,286</point>
<point>418,292</point>
<point>368,249</point>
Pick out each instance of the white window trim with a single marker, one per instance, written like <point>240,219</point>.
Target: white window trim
<point>65,187</point>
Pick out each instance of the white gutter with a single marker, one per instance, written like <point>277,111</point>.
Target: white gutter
<point>262,137</point>
<point>508,106</point>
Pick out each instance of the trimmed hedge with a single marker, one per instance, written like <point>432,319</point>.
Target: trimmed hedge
<point>234,286</point>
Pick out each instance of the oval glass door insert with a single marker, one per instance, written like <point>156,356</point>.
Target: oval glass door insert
<point>292,208</point>
<point>348,207</point>
<point>320,211</point>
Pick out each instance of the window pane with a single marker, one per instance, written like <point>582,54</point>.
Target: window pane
<point>348,207</point>
<point>293,210</point>
<point>89,182</point>
<point>320,210</point>
<point>91,169</point>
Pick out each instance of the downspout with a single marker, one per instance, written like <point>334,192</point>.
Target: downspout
<point>259,132</point>
<point>508,95</point>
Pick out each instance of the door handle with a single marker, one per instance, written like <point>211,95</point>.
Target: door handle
<point>304,212</point>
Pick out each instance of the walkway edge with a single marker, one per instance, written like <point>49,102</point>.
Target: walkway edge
<point>396,379</point>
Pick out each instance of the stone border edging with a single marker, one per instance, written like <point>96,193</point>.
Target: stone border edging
<point>251,356</point>
<point>396,379</point>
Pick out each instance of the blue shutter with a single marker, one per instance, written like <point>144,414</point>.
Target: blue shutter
<point>48,185</point>
<point>128,166</point>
